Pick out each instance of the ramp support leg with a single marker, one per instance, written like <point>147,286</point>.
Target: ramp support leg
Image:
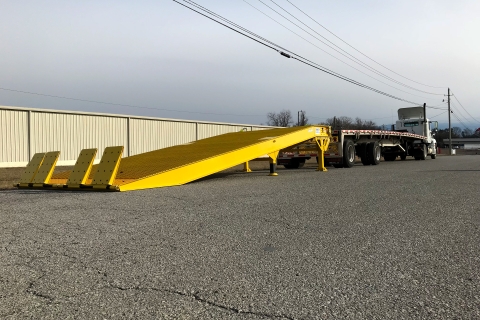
<point>273,163</point>
<point>246,167</point>
<point>322,145</point>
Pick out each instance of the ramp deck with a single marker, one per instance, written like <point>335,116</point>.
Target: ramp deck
<point>181,164</point>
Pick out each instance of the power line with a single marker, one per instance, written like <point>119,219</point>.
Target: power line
<point>465,109</point>
<point>330,53</point>
<point>127,105</point>
<point>359,50</point>
<point>352,81</point>
<point>459,113</point>
<point>436,107</point>
<point>356,60</point>
<point>300,58</point>
<point>438,114</point>
<point>227,21</point>
<point>458,119</point>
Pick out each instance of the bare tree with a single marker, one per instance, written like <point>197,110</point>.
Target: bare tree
<point>456,132</point>
<point>467,133</point>
<point>302,119</point>
<point>348,123</point>
<point>281,119</point>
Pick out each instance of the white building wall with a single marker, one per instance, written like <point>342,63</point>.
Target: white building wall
<point>207,130</point>
<point>147,134</point>
<point>472,146</point>
<point>13,136</point>
<point>25,131</point>
<point>70,133</point>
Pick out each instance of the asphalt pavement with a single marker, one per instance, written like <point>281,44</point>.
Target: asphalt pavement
<point>400,240</point>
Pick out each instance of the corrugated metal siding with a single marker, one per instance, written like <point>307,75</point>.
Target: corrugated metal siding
<point>210,130</point>
<point>148,135</point>
<point>13,136</point>
<point>70,133</point>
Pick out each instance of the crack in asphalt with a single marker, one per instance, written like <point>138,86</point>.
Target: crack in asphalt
<point>197,297</point>
<point>51,299</point>
<point>39,294</point>
<point>34,292</point>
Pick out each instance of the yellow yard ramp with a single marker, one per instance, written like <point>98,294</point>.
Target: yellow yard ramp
<point>188,162</point>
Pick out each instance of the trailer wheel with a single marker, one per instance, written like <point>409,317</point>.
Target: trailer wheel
<point>433,156</point>
<point>363,153</point>
<point>374,153</point>
<point>403,157</point>
<point>423,153</point>
<point>348,154</point>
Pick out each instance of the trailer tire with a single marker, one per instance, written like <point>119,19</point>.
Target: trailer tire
<point>374,153</point>
<point>403,157</point>
<point>423,153</point>
<point>433,156</point>
<point>363,153</point>
<point>348,154</point>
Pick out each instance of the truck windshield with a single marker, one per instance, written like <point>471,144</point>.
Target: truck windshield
<point>411,124</point>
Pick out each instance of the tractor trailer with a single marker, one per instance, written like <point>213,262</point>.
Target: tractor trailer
<point>412,136</point>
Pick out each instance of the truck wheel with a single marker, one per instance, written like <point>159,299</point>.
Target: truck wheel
<point>433,156</point>
<point>301,163</point>
<point>363,153</point>
<point>348,154</point>
<point>403,157</point>
<point>374,152</point>
<point>423,153</point>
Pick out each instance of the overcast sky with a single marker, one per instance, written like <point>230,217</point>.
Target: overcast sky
<point>161,55</point>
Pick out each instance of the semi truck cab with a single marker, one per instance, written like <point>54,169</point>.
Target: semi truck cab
<point>413,120</point>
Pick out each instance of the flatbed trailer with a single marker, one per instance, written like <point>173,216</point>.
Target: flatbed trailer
<point>368,145</point>
<point>413,137</point>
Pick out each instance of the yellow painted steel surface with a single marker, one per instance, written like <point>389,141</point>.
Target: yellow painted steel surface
<point>32,169</point>
<point>107,169</point>
<point>188,162</point>
<point>82,167</point>
<point>46,168</point>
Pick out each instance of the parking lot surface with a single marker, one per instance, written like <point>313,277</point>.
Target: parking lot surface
<point>400,240</point>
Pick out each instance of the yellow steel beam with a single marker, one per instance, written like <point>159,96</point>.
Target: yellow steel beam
<point>82,168</point>
<point>46,169</point>
<point>273,162</point>
<point>246,167</point>
<point>322,146</point>
<point>31,170</point>
<point>108,167</point>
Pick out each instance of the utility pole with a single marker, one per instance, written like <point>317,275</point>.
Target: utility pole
<point>449,125</point>
<point>298,117</point>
